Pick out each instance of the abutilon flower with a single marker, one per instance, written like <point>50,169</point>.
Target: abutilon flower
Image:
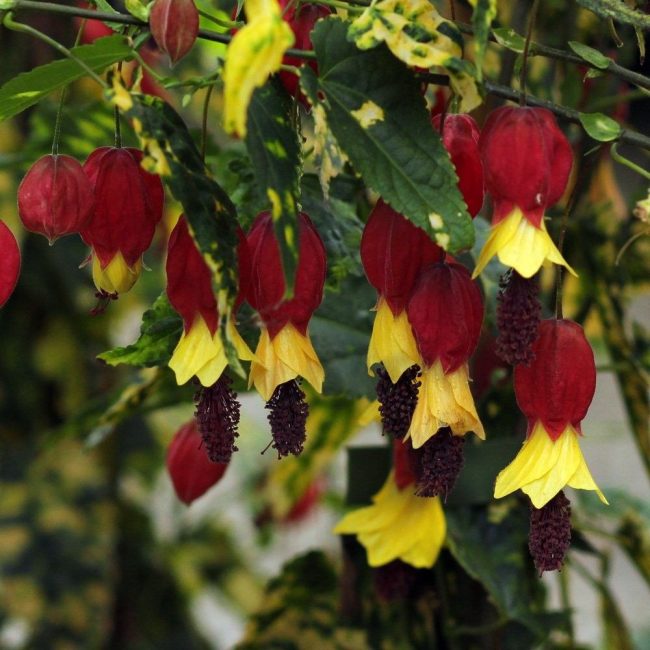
<point>554,393</point>
<point>191,471</point>
<point>527,161</point>
<point>9,263</point>
<point>446,313</point>
<point>398,525</point>
<point>394,252</point>
<point>285,352</point>
<point>55,198</point>
<point>174,26</point>
<point>128,206</point>
<point>460,135</point>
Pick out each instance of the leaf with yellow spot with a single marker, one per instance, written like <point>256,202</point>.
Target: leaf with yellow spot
<point>254,54</point>
<point>484,13</point>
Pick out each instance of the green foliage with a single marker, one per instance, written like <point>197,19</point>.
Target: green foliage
<point>509,38</point>
<point>590,55</point>
<point>600,127</point>
<point>484,13</point>
<point>272,144</point>
<point>619,11</point>
<point>376,112</point>
<point>28,88</point>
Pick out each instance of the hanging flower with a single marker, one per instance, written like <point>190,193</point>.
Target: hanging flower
<point>55,198</point>
<point>398,525</point>
<point>393,252</point>
<point>527,161</point>
<point>174,26</point>
<point>446,314</point>
<point>128,206</point>
<point>554,392</point>
<point>460,136</point>
<point>9,263</point>
<point>191,471</point>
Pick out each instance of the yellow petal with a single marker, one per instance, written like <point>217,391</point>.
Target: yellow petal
<point>370,414</point>
<point>254,53</point>
<point>241,347</point>
<point>398,525</point>
<point>443,401</point>
<point>392,342</point>
<point>117,276</point>
<point>288,355</point>
<point>199,353</point>
<point>542,467</point>
<point>521,245</point>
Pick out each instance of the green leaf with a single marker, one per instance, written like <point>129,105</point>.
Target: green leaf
<point>105,7</point>
<point>619,11</point>
<point>484,13</point>
<point>591,55</point>
<point>272,143</point>
<point>509,38</point>
<point>377,114</point>
<point>28,88</point>
<point>159,333</point>
<point>600,127</point>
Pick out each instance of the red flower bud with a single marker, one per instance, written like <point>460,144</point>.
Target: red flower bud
<point>55,198</point>
<point>460,135</point>
<point>559,384</point>
<point>526,160</point>
<point>393,252</point>
<point>9,263</point>
<point>446,314</point>
<point>267,287</point>
<point>174,25</point>
<point>128,206</point>
<point>192,473</point>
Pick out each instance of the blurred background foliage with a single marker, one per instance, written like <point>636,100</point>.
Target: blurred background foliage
<point>96,552</point>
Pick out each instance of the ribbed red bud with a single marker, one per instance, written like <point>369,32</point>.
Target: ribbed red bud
<point>267,286</point>
<point>559,384</point>
<point>55,198</point>
<point>526,161</point>
<point>174,26</point>
<point>446,314</point>
<point>9,263</point>
<point>128,204</point>
<point>191,472</point>
<point>460,135</point>
<point>393,252</point>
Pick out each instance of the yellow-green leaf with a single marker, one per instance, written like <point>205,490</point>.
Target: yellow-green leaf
<point>254,54</point>
<point>484,13</point>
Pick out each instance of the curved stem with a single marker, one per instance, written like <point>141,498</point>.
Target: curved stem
<point>524,63</point>
<point>228,24</point>
<point>628,163</point>
<point>204,122</point>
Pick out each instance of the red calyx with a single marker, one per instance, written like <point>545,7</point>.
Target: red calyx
<point>267,287</point>
<point>9,263</point>
<point>55,198</point>
<point>189,279</point>
<point>190,470</point>
<point>446,314</point>
<point>559,384</point>
<point>174,26</point>
<point>301,21</point>
<point>393,252</point>
<point>128,204</point>
<point>526,161</point>
<point>460,135</point>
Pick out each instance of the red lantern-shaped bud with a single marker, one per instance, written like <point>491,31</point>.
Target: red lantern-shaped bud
<point>460,135</point>
<point>285,350</point>
<point>554,392</point>
<point>446,314</point>
<point>301,19</point>
<point>128,206</point>
<point>394,252</point>
<point>526,161</point>
<point>9,263</point>
<point>174,25</point>
<point>191,471</point>
<point>55,198</point>
<point>200,350</point>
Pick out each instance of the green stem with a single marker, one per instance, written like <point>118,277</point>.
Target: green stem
<point>524,64</point>
<point>628,163</point>
<point>116,112</point>
<point>228,24</point>
<point>204,122</point>
<point>565,599</point>
<point>57,123</point>
<point>9,23</point>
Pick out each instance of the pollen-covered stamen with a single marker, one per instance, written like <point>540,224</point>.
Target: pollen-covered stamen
<point>440,461</point>
<point>217,416</point>
<point>550,533</point>
<point>394,581</point>
<point>518,318</point>
<point>287,416</point>
<point>103,301</point>
<point>397,401</point>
